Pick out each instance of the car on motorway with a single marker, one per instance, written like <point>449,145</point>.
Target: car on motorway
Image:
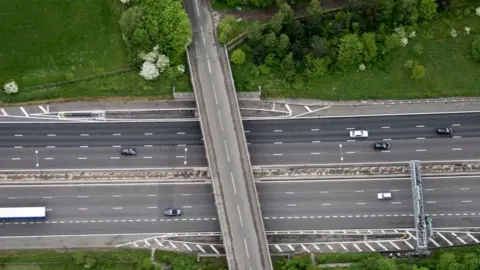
<point>444,131</point>
<point>381,146</point>
<point>358,134</point>
<point>128,152</point>
<point>384,196</point>
<point>172,212</point>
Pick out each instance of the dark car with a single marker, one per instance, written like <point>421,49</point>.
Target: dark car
<point>129,152</point>
<point>444,131</point>
<point>172,212</point>
<point>381,146</point>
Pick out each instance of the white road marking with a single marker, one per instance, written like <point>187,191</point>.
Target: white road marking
<point>209,67</point>
<point>114,157</point>
<point>50,146</point>
<point>198,11</point>
<point>246,247</point>
<point>18,135</point>
<point>316,141</point>
<point>465,188</point>
<point>396,203</point>
<point>83,146</point>
<point>277,130</point>
<point>12,198</point>
<point>82,209</point>
<point>291,205</point>
<point>4,112</point>
<point>360,203</point>
<point>385,127</point>
<point>182,145</point>
<point>431,202</point>
<point>18,147</point>
<point>278,143</point>
<point>49,158</point>
<point>247,131</point>
<point>203,36</point>
<point>84,135</point>
<point>152,195</point>
<point>278,154</point>
<point>82,158</point>
<point>359,191</point>
<point>394,190</point>
<point>147,134</point>
<point>457,137</point>
<point>47,197</point>
<point>180,156</point>
<point>147,157</point>
<point>456,149</point>
<point>350,140</point>
<point>456,125</point>
<point>421,138</point>
<point>288,109</point>
<point>314,129</point>
<point>386,151</point>
<point>116,196</point>
<point>307,108</point>
<point>420,126</point>
<point>466,201</point>
<point>315,153</point>
<point>220,119</point>
<point>116,146</point>
<point>51,135</point>
<point>82,196</point>
<point>16,158</point>
<point>43,109</point>
<point>214,93</point>
<point>240,215</point>
<point>180,133</point>
<point>24,112</point>
<point>226,151</point>
<point>148,145</point>
<point>117,134</point>
<point>233,183</point>
<point>152,207</point>
<point>326,204</point>
<point>387,139</point>
<point>289,192</point>
<point>349,152</point>
<point>350,128</point>
<point>421,150</point>
<point>429,189</point>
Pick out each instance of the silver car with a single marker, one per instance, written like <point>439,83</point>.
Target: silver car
<point>358,134</point>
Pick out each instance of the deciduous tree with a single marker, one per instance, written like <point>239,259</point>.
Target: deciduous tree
<point>476,48</point>
<point>238,57</point>
<point>427,9</point>
<point>350,52</point>
<point>370,43</point>
<point>447,261</point>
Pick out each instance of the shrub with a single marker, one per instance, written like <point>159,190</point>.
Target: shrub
<point>418,72</point>
<point>408,64</point>
<point>10,88</point>
<point>417,49</point>
<point>238,57</point>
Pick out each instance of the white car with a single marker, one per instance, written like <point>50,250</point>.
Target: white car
<point>384,196</point>
<point>358,134</point>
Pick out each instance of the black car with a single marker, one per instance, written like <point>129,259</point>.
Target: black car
<point>444,131</point>
<point>380,146</point>
<point>172,212</point>
<point>129,152</point>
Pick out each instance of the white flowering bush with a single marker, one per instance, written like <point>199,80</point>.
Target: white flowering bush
<point>10,88</point>
<point>477,11</point>
<point>149,71</point>
<point>400,32</point>
<point>412,34</point>
<point>163,62</point>
<point>125,1</point>
<point>362,67</point>
<point>467,30</point>
<point>181,69</point>
<point>453,33</point>
<point>404,41</point>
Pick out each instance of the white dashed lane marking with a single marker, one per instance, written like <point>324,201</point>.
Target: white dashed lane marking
<point>108,220</point>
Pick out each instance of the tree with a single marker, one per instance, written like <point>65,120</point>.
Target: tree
<point>149,23</point>
<point>276,22</point>
<point>418,72</point>
<point>375,263</point>
<point>471,262</point>
<point>427,9</point>
<point>447,261</point>
<point>314,8</point>
<point>316,67</point>
<point>296,263</point>
<point>225,28</point>
<point>287,67</point>
<point>320,46</point>
<point>476,48</point>
<point>350,52</point>
<point>254,32</point>
<point>417,49</point>
<point>419,268</point>
<point>370,43</point>
<point>149,71</point>
<point>238,57</point>
<point>283,45</point>
<point>287,12</point>
<point>270,41</point>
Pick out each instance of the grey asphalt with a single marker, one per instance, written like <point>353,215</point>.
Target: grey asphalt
<point>120,209</point>
<point>273,142</point>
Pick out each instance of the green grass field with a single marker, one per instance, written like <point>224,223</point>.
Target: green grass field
<point>61,40</point>
<point>450,71</point>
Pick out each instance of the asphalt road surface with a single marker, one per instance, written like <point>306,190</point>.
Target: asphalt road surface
<point>96,209</point>
<point>272,142</point>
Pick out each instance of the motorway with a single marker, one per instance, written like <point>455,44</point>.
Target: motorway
<point>272,142</point>
<point>321,205</point>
